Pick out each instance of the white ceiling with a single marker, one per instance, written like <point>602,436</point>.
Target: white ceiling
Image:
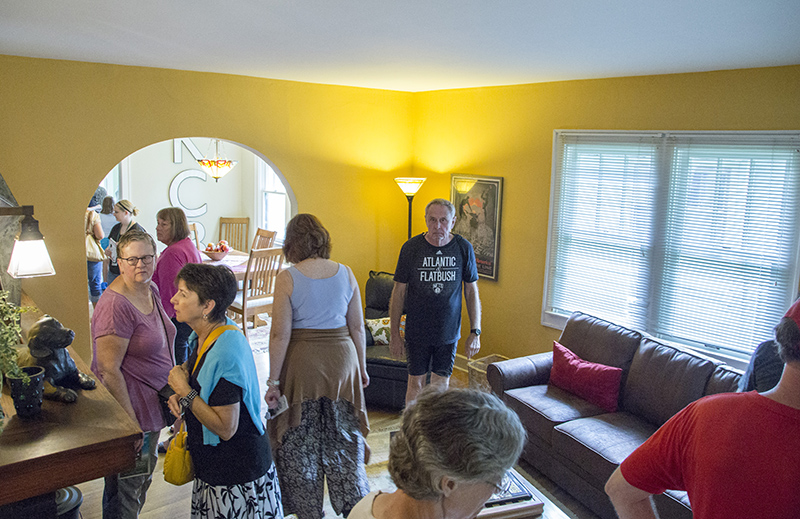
<point>411,45</point>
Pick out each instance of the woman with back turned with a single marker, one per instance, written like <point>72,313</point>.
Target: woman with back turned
<point>317,351</point>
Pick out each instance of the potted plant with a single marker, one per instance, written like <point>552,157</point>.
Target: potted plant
<point>26,382</point>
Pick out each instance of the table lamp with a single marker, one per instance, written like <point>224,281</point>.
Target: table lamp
<point>29,258</point>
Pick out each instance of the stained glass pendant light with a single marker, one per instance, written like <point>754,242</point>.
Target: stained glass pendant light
<point>216,166</point>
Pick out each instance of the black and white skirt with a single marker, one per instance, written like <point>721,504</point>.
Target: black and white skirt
<point>258,499</point>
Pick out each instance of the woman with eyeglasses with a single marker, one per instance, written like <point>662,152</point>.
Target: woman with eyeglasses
<point>172,229</point>
<point>132,340</point>
<point>450,455</point>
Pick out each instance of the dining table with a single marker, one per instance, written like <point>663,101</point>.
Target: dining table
<point>236,260</point>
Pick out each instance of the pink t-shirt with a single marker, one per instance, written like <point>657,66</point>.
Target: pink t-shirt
<point>149,356</point>
<point>171,261</point>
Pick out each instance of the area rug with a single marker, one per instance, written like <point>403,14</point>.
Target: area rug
<point>378,439</point>
<point>259,337</point>
<point>378,467</point>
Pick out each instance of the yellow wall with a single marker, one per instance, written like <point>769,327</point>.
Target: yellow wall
<point>508,132</point>
<point>65,124</point>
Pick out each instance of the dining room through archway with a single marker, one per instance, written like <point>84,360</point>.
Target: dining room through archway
<point>166,174</point>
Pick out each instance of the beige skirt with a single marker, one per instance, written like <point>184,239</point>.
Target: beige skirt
<point>319,363</point>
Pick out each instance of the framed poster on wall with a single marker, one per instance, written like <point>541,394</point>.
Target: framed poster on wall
<point>478,201</point>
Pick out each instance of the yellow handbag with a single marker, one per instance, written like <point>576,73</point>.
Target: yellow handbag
<point>178,468</point>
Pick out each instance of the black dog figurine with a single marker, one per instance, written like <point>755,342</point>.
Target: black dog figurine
<point>47,342</point>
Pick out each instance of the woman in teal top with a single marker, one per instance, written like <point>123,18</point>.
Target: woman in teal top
<point>218,395</point>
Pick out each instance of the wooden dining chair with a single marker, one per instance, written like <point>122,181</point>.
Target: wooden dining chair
<point>193,234</point>
<point>264,239</point>
<point>236,231</point>
<point>263,267</point>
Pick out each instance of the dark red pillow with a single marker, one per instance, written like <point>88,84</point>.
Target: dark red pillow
<point>597,383</point>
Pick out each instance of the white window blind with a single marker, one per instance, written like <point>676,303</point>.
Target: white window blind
<point>274,203</point>
<point>691,237</point>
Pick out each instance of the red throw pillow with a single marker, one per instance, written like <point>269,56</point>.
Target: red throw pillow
<point>597,383</point>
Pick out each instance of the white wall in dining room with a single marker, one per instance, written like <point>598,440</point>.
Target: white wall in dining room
<point>152,169</point>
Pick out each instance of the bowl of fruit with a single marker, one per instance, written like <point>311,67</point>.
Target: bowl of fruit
<point>218,251</point>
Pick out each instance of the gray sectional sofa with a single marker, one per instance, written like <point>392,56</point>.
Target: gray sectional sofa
<point>577,444</point>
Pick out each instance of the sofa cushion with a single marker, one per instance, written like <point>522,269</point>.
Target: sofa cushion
<point>673,503</point>
<point>598,444</point>
<point>379,329</point>
<point>368,335</point>
<point>724,379</point>
<point>597,383</point>
<point>531,370</point>
<point>381,355</point>
<point>596,340</point>
<point>540,408</point>
<point>663,380</point>
<point>377,294</point>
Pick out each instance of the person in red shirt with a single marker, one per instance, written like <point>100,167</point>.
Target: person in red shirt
<point>735,454</point>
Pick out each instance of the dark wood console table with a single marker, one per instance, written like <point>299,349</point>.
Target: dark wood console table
<point>67,444</point>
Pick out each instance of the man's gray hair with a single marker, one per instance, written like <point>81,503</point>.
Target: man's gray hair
<point>787,335</point>
<point>444,203</point>
<point>467,435</point>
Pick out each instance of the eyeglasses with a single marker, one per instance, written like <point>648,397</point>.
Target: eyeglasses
<point>133,260</point>
<point>502,487</point>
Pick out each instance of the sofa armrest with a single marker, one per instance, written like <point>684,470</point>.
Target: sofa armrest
<point>532,370</point>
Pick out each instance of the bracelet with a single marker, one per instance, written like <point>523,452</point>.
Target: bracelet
<point>186,401</point>
<point>273,383</point>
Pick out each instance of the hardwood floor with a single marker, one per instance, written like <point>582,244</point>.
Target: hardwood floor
<point>168,501</point>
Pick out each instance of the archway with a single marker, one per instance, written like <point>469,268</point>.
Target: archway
<point>166,174</point>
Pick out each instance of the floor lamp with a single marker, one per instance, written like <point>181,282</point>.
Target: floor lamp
<point>410,186</point>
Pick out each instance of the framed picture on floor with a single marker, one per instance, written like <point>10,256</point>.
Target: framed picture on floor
<point>478,201</point>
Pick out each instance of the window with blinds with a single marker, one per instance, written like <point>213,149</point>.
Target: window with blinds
<point>691,237</point>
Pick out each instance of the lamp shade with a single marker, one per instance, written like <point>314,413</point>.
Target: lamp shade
<point>410,185</point>
<point>216,166</point>
<point>30,259</point>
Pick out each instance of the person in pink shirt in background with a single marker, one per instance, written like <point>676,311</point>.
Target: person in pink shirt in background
<point>173,231</point>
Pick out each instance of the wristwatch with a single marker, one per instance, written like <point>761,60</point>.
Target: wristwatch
<point>271,382</point>
<point>476,331</point>
<point>186,401</point>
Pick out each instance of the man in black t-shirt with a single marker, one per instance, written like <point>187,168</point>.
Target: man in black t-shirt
<point>430,272</point>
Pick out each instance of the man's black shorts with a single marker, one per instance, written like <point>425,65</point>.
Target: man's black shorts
<point>440,358</point>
